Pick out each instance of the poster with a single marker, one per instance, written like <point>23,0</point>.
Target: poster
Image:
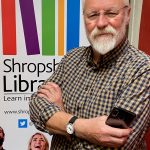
<point>34,36</point>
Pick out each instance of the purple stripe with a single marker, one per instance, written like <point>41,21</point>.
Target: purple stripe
<point>29,25</point>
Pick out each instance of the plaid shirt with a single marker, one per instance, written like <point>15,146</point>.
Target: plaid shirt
<point>122,79</point>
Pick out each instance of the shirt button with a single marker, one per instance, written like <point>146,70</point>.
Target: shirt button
<point>78,108</point>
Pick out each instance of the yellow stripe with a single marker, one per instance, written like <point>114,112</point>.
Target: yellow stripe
<point>61,27</point>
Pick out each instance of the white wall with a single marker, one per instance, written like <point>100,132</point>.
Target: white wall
<point>134,26</point>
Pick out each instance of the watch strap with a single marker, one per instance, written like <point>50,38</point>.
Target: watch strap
<point>73,119</point>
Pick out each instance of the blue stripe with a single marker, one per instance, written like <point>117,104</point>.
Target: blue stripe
<point>73,24</point>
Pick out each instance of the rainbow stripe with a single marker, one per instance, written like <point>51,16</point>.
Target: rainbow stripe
<point>8,27</point>
<point>29,25</point>
<point>48,26</point>
<point>73,15</point>
<point>61,26</point>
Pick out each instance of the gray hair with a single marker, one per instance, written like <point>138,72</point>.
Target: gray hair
<point>126,2</point>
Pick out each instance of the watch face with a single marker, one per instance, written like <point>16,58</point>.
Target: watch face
<point>70,128</point>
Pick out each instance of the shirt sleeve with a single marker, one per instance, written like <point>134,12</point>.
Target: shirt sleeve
<point>136,98</point>
<point>41,109</point>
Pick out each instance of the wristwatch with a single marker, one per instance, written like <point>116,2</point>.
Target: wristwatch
<point>70,127</point>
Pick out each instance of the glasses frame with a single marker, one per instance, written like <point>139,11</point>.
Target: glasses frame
<point>109,14</point>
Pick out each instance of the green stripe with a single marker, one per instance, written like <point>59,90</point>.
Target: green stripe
<point>48,27</point>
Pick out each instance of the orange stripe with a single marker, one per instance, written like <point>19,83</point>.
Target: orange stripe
<point>8,27</point>
<point>61,27</point>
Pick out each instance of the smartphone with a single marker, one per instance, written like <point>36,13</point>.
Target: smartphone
<point>120,118</point>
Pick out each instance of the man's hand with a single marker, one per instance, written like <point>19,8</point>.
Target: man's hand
<point>96,131</point>
<point>51,92</point>
<point>93,130</point>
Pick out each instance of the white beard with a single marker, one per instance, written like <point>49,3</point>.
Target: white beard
<point>107,42</point>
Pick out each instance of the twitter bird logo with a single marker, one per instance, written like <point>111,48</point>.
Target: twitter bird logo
<point>22,123</point>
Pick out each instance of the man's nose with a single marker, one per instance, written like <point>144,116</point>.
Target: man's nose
<point>102,21</point>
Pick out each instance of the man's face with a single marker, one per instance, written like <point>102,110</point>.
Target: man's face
<point>1,137</point>
<point>105,22</point>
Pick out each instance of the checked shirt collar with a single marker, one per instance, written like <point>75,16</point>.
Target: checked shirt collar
<point>109,58</point>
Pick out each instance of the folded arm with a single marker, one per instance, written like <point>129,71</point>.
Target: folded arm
<point>101,134</point>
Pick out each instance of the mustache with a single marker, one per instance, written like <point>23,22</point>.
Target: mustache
<point>107,30</point>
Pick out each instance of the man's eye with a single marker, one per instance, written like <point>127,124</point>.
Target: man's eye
<point>93,15</point>
<point>111,14</point>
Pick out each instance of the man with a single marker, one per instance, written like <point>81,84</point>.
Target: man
<point>73,104</point>
<point>2,137</point>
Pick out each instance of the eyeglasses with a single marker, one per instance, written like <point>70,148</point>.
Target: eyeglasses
<point>94,15</point>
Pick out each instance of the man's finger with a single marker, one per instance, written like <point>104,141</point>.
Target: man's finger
<point>42,95</point>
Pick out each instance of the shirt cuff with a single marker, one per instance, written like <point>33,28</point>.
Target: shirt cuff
<point>41,111</point>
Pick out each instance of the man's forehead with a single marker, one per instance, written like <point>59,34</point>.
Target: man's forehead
<point>104,2</point>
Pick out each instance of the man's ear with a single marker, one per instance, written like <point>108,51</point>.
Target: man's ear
<point>128,15</point>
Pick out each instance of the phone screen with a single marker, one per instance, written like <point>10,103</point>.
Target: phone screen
<point>120,118</point>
